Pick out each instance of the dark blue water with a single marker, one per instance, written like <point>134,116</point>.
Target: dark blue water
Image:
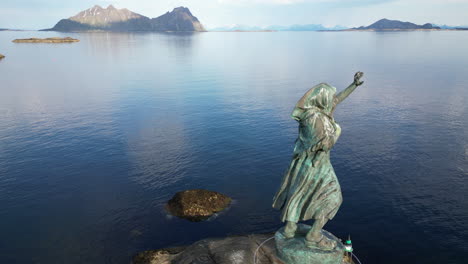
<point>96,136</point>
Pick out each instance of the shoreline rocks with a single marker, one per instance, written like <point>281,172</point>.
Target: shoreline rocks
<point>229,250</point>
<point>46,40</point>
<point>246,249</point>
<point>197,205</point>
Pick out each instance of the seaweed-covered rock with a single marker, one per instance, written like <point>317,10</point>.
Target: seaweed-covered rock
<point>197,205</point>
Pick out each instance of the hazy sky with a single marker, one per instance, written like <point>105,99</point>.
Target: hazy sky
<point>38,14</point>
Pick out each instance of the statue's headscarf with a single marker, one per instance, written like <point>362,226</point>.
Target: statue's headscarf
<point>319,97</point>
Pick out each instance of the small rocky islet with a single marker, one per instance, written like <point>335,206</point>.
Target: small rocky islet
<point>46,40</point>
<point>1,56</point>
<point>197,204</point>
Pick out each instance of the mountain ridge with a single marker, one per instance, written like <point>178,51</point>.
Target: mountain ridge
<point>177,20</point>
<point>98,18</point>
<point>387,24</point>
<point>449,26</point>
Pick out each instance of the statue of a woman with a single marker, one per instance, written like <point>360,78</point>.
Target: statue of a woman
<point>310,189</point>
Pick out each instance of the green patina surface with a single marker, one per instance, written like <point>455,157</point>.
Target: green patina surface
<point>310,188</point>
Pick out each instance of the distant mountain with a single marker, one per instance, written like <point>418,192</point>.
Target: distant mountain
<point>237,28</point>
<point>100,17</point>
<point>386,24</point>
<point>110,18</point>
<point>449,27</point>
<point>444,26</point>
<point>310,27</point>
<point>313,27</point>
<point>180,19</point>
<point>113,19</point>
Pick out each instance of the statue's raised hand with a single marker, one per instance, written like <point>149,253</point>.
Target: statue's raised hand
<point>357,78</point>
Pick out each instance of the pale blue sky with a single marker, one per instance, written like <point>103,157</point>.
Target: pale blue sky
<point>38,14</point>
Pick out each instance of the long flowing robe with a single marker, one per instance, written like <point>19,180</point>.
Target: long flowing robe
<point>310,188</point>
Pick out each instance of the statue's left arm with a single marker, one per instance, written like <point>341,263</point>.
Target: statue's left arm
<point>346,92</point>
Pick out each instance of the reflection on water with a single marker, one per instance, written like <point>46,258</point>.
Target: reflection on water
<point>95,137</point>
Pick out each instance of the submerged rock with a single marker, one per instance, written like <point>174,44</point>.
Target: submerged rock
<point>46,40</point>
<point>197,205</point>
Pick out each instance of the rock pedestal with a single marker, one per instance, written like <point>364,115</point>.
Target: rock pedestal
<point>294,250</point>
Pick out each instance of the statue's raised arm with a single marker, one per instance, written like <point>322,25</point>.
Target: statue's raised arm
<point>346,92</point>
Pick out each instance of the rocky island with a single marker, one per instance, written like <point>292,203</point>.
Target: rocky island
<point>98,18</point>
<point>46,40</point>
<point>1,56</point>
<point>394,25</point>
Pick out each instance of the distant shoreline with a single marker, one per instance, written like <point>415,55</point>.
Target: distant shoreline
<point>399,29</point>
<point>239,31</point>
<point>243,31</point>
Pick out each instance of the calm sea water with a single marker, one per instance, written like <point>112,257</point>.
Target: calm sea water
<point>96,136</point>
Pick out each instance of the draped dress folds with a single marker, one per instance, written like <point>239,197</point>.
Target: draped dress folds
<point>310,189</point>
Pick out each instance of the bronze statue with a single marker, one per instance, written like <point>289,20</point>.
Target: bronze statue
<point>310,188</point>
